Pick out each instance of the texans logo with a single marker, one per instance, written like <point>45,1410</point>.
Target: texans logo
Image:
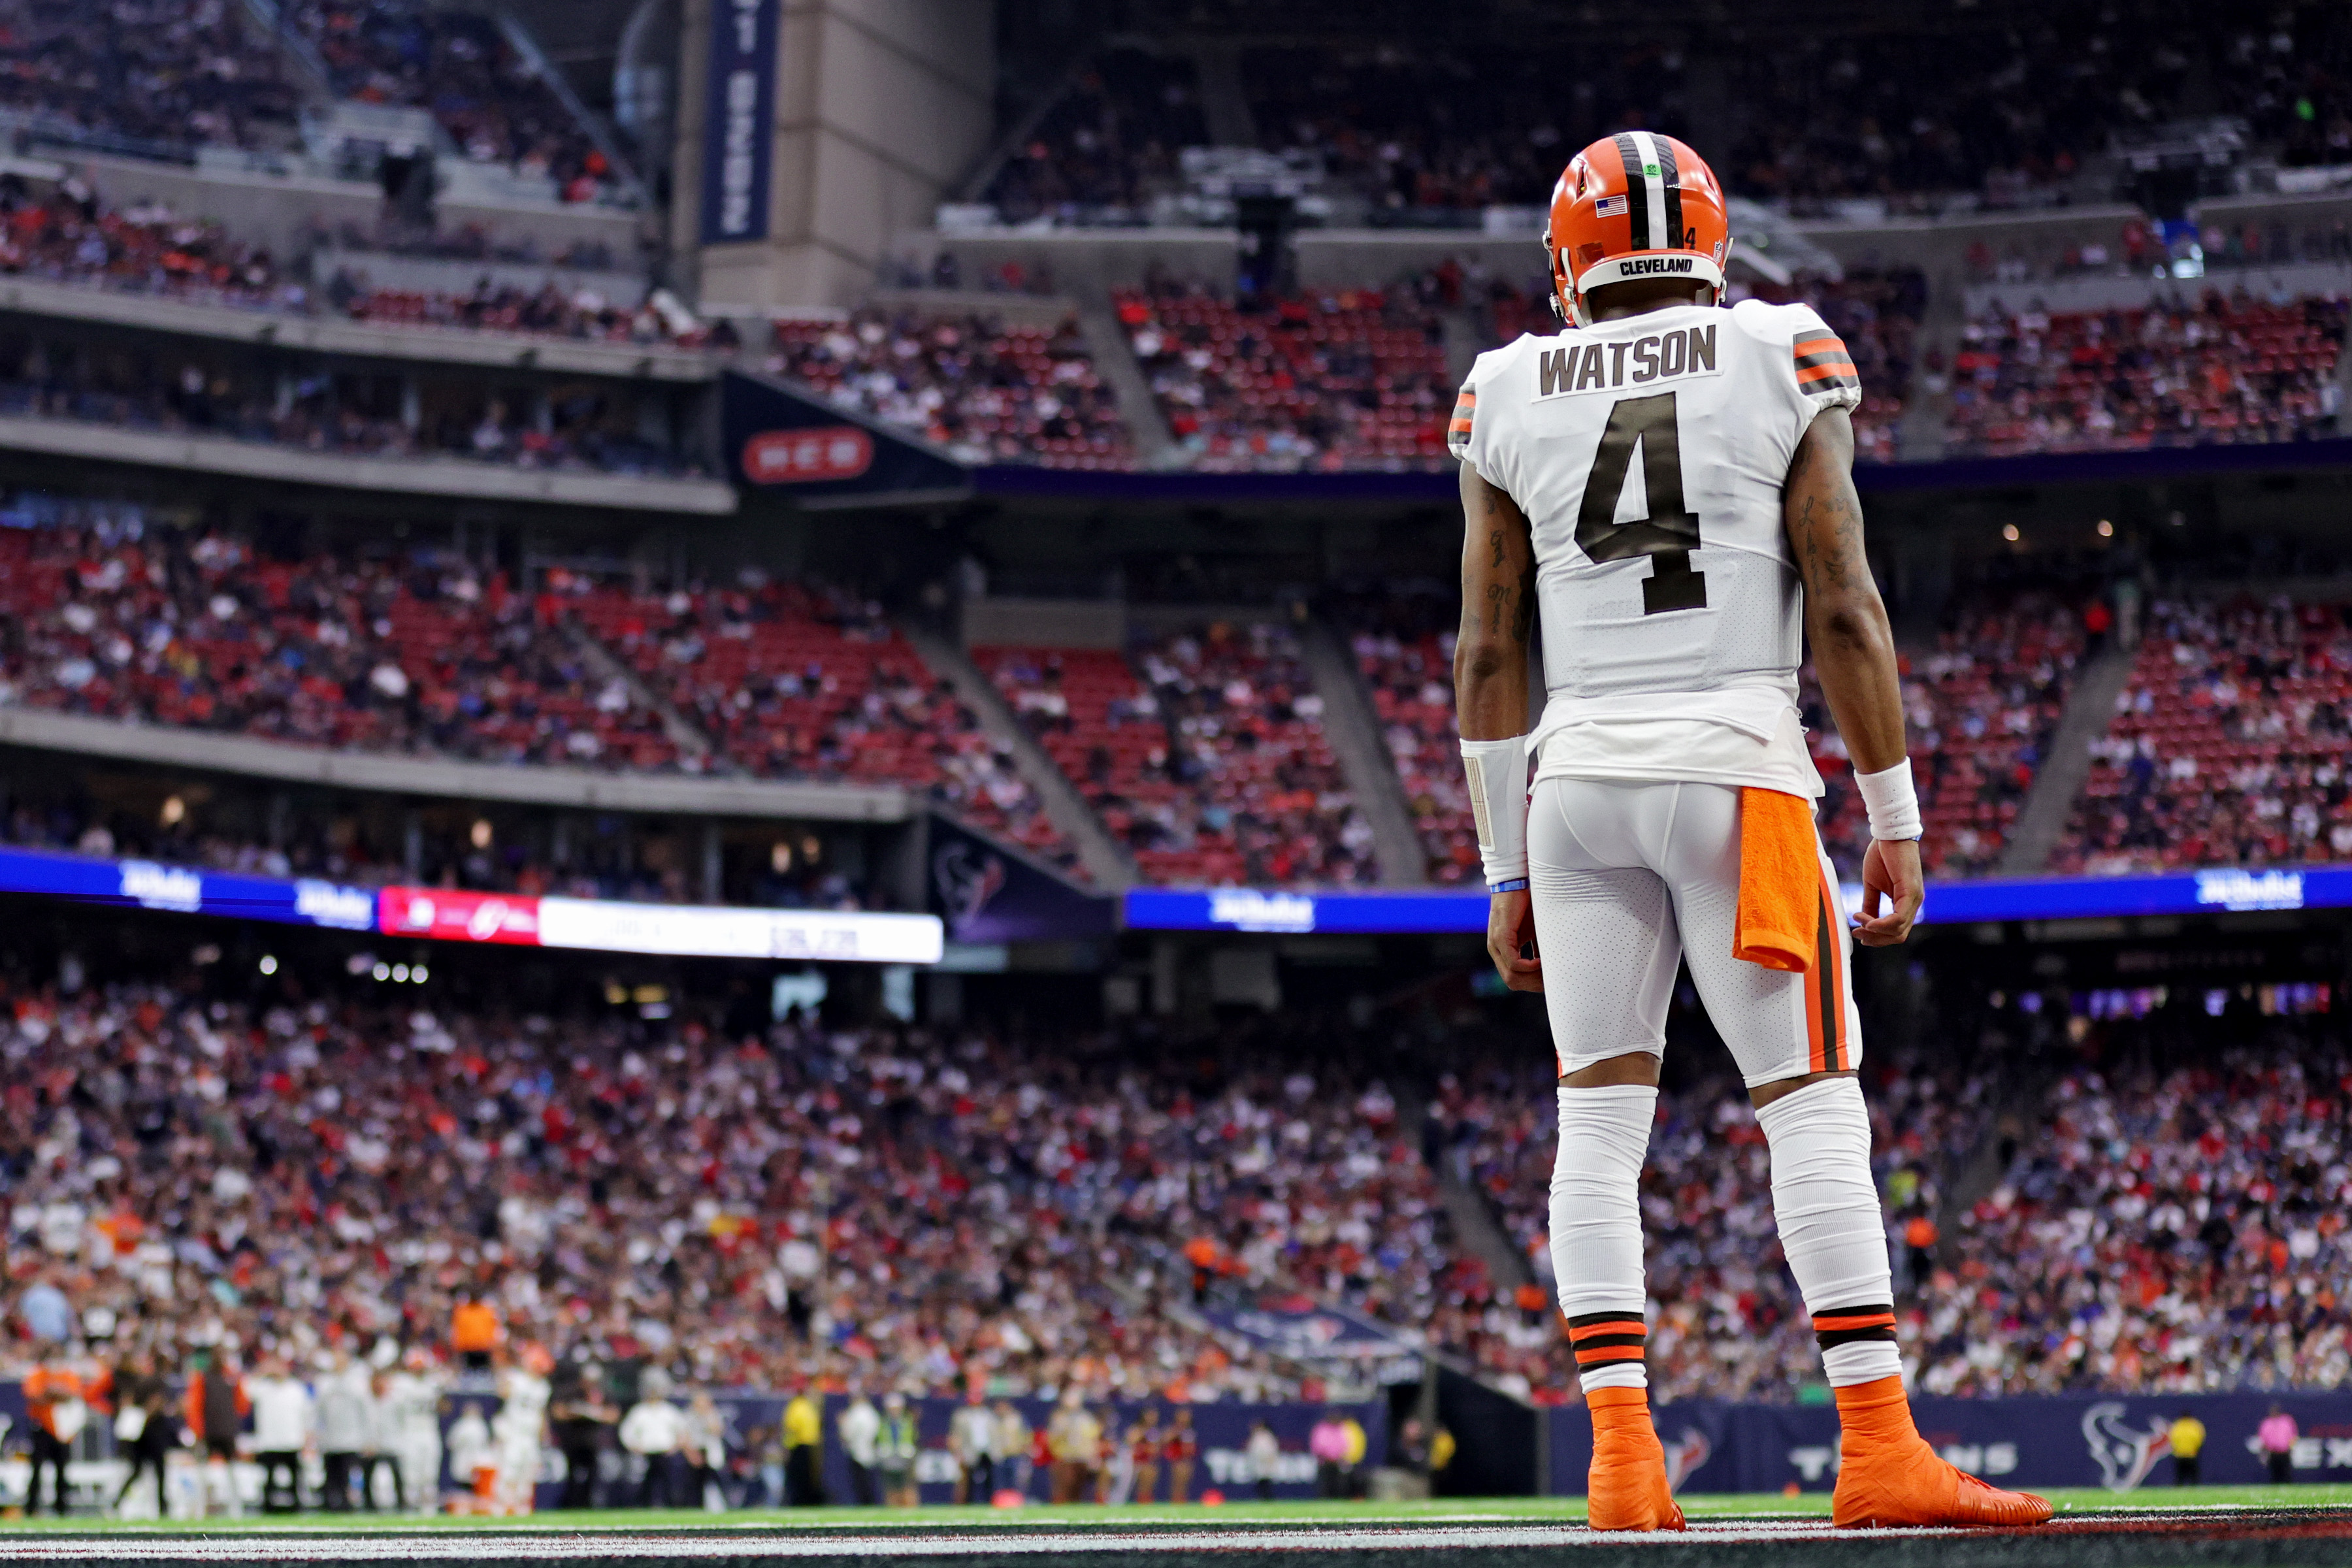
<point>2125,1454</point>
<point>1684,1455</point>
<point>967,879</point>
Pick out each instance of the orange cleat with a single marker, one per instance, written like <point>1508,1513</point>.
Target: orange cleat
<point>1628,1489</point>
<point>1887,1476</point>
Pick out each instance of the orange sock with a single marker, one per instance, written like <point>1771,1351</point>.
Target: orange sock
<point>1888,1476</point>
<point>1627,1488</point>
<point>1874,1412</point>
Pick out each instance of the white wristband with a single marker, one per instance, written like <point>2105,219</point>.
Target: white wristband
<point>1892,804</point>
<point>1497,774</point>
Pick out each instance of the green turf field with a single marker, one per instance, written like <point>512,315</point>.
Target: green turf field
<point>1190,1515</point>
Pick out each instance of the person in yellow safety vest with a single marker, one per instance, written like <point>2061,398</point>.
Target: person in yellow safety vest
<point>1352,1464</point>
<point>803,1450</point>
<point>895,1452</point>
<point>2187,1435</point>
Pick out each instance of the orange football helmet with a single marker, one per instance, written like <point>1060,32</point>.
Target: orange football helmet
<point>1631,206</point>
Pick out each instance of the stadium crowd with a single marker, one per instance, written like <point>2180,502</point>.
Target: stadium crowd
<point>202,390</point>
<point>423,652</point>
<point>2226,370</point>
<point>2228,748</point>
<point>418,653</point>
<point>462,67</point>
<point>1265,800</point>
<point>1353,379</point>
<point>66,235</point>
<point>1202,752</point>
<point>1999,111</point>
<point>166,77</point>
<point>1106,142</point>
<point>736,1203</point>
<point>731,1203</point>
<point>804,680</point>
<point>149,74</point>
<point>1982,706</point>
<point>1403,641</point>
<point>988,391</point>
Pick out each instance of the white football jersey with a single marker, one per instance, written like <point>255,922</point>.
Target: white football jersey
<point>412,1404</point>
<point>1649,455</point>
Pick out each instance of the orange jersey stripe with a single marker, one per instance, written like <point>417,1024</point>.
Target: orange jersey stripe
<point>1827,372</point>
<point>1804,346</point>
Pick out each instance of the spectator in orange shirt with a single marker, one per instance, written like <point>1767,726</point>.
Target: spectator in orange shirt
<point>1920,1235</point>
<point>57,1403</point>
<point>474,1333</point>
<point>218,1407</point>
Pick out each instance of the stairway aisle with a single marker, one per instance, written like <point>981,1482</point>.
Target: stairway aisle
<point>1106,863</point>
<point>1353,727</point>
<point>2060,779</point>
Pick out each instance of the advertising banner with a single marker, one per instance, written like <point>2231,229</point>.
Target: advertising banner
<point>185,889</point>
<point>689,931</point>
<point>2116,1441</point>
<point>452,914</point>
<point>986,894</point>
<point>1300,910</point>
<point>779,437</point>
<point>1219,1430</point>
<point>738,126</point>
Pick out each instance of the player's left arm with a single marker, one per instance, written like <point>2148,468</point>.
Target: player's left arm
<point>1854,655</point>
<point>1490,699</point>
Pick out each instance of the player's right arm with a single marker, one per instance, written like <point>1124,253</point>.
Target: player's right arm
<point>1490,697</point>
<point>1853,654</point>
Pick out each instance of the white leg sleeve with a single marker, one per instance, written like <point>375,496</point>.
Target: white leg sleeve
<point>1596,1229</point>
<point>1832,1227</point>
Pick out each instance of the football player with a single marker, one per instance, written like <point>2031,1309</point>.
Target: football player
<point>1669,487</point>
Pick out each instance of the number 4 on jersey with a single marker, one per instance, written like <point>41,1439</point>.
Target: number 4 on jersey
<point>1669,533</point>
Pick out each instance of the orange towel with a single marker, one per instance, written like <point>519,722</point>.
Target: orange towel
<point>1779,881</point>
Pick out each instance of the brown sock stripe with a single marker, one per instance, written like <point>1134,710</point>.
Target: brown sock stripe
<point>1851,1325</point>
<point>1600,1339</point>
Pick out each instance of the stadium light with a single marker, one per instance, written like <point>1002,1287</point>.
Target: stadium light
<point>268,963</point>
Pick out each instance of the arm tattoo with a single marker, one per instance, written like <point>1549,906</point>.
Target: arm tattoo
<point>1509,597</point>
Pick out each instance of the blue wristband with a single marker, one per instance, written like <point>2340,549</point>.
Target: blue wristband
<point>1516,885</point>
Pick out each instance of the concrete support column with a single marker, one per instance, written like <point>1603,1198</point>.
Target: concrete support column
<point>878,105</point>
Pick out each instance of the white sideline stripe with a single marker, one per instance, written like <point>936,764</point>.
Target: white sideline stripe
<point>548,1548</point>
